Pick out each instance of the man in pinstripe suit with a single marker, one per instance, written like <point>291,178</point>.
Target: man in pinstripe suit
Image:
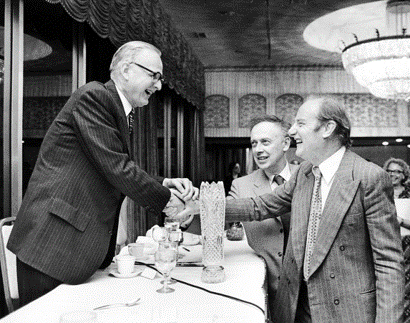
<point>67,225</point>
<point>355,268</point>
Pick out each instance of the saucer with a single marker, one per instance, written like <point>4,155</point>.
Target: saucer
<point>115,273</point>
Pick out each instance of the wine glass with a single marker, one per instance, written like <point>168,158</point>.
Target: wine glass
<point>165,261</point>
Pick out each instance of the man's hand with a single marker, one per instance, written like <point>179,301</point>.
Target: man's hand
<point>191,208</point>
<point>174,206</point>
<point>184,186</point>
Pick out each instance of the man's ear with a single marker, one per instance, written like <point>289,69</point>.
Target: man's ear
<point>286,143</point>
<point>329,128</point>
<point>124,70</point>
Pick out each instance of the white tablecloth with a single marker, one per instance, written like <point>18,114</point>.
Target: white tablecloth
<point>245,277</point>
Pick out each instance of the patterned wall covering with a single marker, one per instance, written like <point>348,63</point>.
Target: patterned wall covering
<point>285,90</point>
<point>250,106</point>
<point>39,112</point>
<point>216,114</point>
<point>287,105</point>
<point>365,110</point>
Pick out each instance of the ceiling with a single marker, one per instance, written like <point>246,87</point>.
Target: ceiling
<point>234,33</point>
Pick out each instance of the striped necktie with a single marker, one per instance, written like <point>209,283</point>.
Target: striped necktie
<point>314,219</point>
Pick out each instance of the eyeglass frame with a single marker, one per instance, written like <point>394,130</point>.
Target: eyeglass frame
<point>154,74</point>
<point>394,171</point>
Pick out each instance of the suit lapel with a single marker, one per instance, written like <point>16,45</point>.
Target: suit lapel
<point>261,183</point>
<point>300,215</point>
<point>340,198</point>
<point>123,118</point>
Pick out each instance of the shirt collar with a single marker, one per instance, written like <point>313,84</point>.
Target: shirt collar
<point>125,103</point>
<point>285,173</point>
<point>329,167</point>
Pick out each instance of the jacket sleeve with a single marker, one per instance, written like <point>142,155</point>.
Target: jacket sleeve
<point>262,207</point>
<point>100,138</point>
<point>386,246</point>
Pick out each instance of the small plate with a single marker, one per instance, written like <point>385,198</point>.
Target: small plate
<point>115,273</point>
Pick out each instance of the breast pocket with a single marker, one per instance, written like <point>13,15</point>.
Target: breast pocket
<point>70,214</point>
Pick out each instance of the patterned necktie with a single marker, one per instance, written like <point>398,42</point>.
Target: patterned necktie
<point>314,219</point>
<point>131,121</point>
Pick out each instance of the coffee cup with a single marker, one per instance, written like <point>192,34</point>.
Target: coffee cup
<point>136,249</point>
<point>125,264</point>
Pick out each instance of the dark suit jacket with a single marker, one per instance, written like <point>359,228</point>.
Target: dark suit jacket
<point>83,172</point>
<point>268,237</point>
<point>356,272</point>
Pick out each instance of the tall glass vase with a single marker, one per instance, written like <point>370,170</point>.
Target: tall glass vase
<point>212,212</point>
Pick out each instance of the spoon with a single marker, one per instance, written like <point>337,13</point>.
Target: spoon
<point>117,305</point>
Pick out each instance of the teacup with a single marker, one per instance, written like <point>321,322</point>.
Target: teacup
<point>136,249</point>
<point>125,264</point>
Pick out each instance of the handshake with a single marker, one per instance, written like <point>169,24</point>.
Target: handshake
<point>184,201</point>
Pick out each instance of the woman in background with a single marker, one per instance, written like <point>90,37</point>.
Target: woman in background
<point>399,172</point>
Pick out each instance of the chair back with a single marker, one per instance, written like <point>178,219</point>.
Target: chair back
<point>8,265</point>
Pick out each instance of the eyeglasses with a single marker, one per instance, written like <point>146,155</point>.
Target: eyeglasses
<point>394,171</point>
<point>156,76</point>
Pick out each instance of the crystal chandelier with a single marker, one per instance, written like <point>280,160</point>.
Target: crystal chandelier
<point>382,64</point>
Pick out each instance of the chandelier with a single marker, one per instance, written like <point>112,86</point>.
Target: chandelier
<point>382,64</point>
<point>374,42</point>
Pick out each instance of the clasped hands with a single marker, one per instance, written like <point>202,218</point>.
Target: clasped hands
<point>183,203</point>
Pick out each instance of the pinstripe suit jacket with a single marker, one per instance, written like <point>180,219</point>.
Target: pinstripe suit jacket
<point>81,176</point>
<point>268,237</point>
<point>356,273</point>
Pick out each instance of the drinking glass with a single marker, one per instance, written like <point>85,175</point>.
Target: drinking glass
<point>165,261</point>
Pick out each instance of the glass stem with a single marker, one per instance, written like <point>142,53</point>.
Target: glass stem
<point>166,277</point>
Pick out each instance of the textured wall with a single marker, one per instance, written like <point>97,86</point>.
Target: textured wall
<point>233,97</point>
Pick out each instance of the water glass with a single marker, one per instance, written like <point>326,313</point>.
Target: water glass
<point>165,261</point>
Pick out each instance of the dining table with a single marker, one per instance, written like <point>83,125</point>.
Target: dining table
<point>240,298</point>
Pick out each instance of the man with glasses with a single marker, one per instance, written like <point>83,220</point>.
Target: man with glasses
<point>66,227</point>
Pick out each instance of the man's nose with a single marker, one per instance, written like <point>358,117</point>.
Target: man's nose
<point>158,85</point>
<point>291,131</point>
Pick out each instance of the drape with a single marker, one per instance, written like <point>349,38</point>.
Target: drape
<point>146,20</point>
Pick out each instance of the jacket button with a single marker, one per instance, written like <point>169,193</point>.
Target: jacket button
<point>336,301</point>
<point>278,277</point>
<point>279,254</point>
<point>332,275</point>
<point>281,230</point>
<point>110,232</point>
<point>342,248</point>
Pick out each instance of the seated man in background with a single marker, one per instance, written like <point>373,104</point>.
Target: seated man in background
<point>268,238</point>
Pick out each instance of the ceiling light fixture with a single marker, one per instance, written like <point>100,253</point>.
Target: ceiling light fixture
<point>374,40</point>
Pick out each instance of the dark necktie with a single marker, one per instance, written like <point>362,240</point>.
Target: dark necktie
<point>131,121</point>
<point>278,179</point>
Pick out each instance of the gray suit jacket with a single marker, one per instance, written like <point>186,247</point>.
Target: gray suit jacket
<point>267,237</point>
<point>82,173</point>
<point>357,265</point>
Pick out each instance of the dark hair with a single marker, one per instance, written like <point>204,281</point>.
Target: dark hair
<point>231,167</point>
<point>332,109</point>
<point>273,119</point>
<point>403,165</point>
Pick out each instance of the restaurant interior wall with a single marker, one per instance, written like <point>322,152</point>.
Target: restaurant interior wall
<point>235,96</point>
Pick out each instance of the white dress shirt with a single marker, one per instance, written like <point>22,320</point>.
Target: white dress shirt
<point>328,169</point>
<point>125,103</point>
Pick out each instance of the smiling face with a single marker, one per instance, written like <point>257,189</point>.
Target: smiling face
<point>139,84</point>
<point>396,173</point>
<point>269,146</point>
<point>308,132</point>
